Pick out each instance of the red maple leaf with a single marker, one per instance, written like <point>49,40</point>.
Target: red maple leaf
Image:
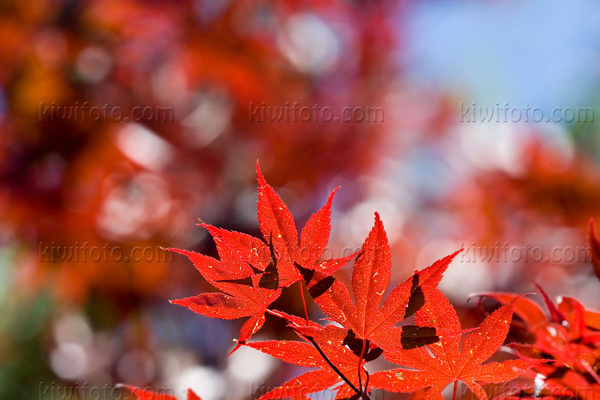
<point>250,273</point>
<point>366,317</point>
<point>435,366</point>
<point>145,394</point>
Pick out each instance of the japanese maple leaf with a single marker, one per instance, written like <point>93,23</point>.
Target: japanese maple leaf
<point>436,366</point>
<point>307,355</point>
<point>250,273</point>
<point>145,394</point>
<point>366,317</point>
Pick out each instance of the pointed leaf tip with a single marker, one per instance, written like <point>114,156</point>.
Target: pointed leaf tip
<point>556,315</point>
<point>237,346</point>
<point>377,217</point>
<point>259,173</point>
<point>192,395</point>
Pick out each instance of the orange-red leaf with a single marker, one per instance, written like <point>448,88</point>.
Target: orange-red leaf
<point>366,317</point>
<point>435,367</point>
<point>250,273</point>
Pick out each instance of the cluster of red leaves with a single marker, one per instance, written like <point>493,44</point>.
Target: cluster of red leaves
<point>567,340</point>
<point>365,324</point>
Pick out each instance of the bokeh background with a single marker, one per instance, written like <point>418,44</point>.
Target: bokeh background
<point>68,324</point>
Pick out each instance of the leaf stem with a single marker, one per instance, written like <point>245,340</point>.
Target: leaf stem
<point>454,390</point>
<point>303,301</point>
<point>360,367</point>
